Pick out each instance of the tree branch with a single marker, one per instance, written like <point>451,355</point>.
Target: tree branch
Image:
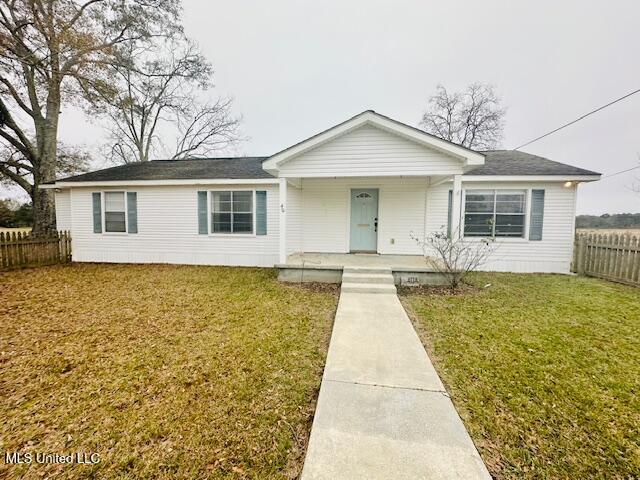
<point>15,177</point>
<point>16,96</point>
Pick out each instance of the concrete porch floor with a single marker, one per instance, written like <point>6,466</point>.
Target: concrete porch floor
<point>368,260</point>
<point>328,267</point>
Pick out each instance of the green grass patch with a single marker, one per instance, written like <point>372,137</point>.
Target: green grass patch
<point>164,371</point>
<point>544,370</point>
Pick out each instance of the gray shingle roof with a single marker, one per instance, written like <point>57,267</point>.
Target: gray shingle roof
<point>497,162</point>
<point>515,162</point>
<point>201,168</point>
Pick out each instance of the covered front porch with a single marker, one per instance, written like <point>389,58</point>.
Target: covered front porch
<point>363,221</point>
<point>369,184</point>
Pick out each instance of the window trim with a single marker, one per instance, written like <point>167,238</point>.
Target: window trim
<point>103,205</point>
<point>210,231</point>
<point>526,215</point>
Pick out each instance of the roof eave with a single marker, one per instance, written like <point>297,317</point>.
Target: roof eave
<point>531,178</point>
<point>169,182</point>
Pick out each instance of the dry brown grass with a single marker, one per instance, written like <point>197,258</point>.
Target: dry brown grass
<point>610,231</point>
<point>165,371</point>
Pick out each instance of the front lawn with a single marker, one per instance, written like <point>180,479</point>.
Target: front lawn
<point>544,370</point>
<point>164,371</point>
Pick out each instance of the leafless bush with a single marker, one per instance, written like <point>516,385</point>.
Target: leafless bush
<point>454,256</point>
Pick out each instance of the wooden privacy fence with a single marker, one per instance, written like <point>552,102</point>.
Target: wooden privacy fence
<point>612,257</point>
<point>23,249</point>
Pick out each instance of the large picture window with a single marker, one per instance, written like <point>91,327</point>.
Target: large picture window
<point>494,213</point>
<point>114,212</point>
<point>232,212</point>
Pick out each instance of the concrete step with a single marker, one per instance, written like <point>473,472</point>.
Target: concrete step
<point>366,270</point>
<point>349,287</point>
<point>378,278</point>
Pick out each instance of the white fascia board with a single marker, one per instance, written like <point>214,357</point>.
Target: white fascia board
<point>468,157</point>
<point>530,178</point>
<point>153,183</point>
<point>372,175</point>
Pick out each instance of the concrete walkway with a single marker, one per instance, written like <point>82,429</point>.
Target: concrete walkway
<point>383,412</point>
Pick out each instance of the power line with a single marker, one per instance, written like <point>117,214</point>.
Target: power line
<point>621,171</point>
<point>578,119</point>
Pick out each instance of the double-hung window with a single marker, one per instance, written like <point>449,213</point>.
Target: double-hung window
<point>232,212</point>
<point>115,212</point>
<point>494,213</point>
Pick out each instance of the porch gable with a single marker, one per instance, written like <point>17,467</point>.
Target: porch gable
<point>370,144</point>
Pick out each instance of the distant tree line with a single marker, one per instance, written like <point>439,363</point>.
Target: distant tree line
<point>14,214</point>
<point>616,220</point>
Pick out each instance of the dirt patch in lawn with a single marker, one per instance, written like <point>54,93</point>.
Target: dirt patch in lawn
<point>164,371</point>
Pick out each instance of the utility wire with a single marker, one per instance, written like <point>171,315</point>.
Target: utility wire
<point>618,173</point>
<point>578,119</point>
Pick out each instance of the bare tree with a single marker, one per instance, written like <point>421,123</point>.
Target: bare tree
<point>473,118</point>
<point>70,161</point>
<point>206,128</point>
<point>453,256</point>
<point>157,100</point>
<point>53,52</point>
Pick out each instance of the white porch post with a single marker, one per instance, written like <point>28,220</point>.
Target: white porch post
<point>456,206</point>
<point>282,182</point>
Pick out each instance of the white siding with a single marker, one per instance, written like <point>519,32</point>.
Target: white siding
<point>318,221</point>
<point>370,151</point>
<point>168,231</point>
<point>551,254</point>
<point>326,205</point>
<point>294,219</point>
<point>63,210</point>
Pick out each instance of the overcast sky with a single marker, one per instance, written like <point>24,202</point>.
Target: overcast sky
<point>297,67</point>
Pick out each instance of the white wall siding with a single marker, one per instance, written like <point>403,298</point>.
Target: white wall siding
<point>370,151</point>
<point>326,205</point>
<point>437,208</point>
<point>294,219</point>
<point>168,231</point>
<point>318,216</point>
<point>551,254</point>
<point>63,210</point>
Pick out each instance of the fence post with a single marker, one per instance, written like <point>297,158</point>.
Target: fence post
<point>628,258</point>
<point>634,269</point>
<point>581,251</point>
<point>3,250</point>
<point>68,242</point>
